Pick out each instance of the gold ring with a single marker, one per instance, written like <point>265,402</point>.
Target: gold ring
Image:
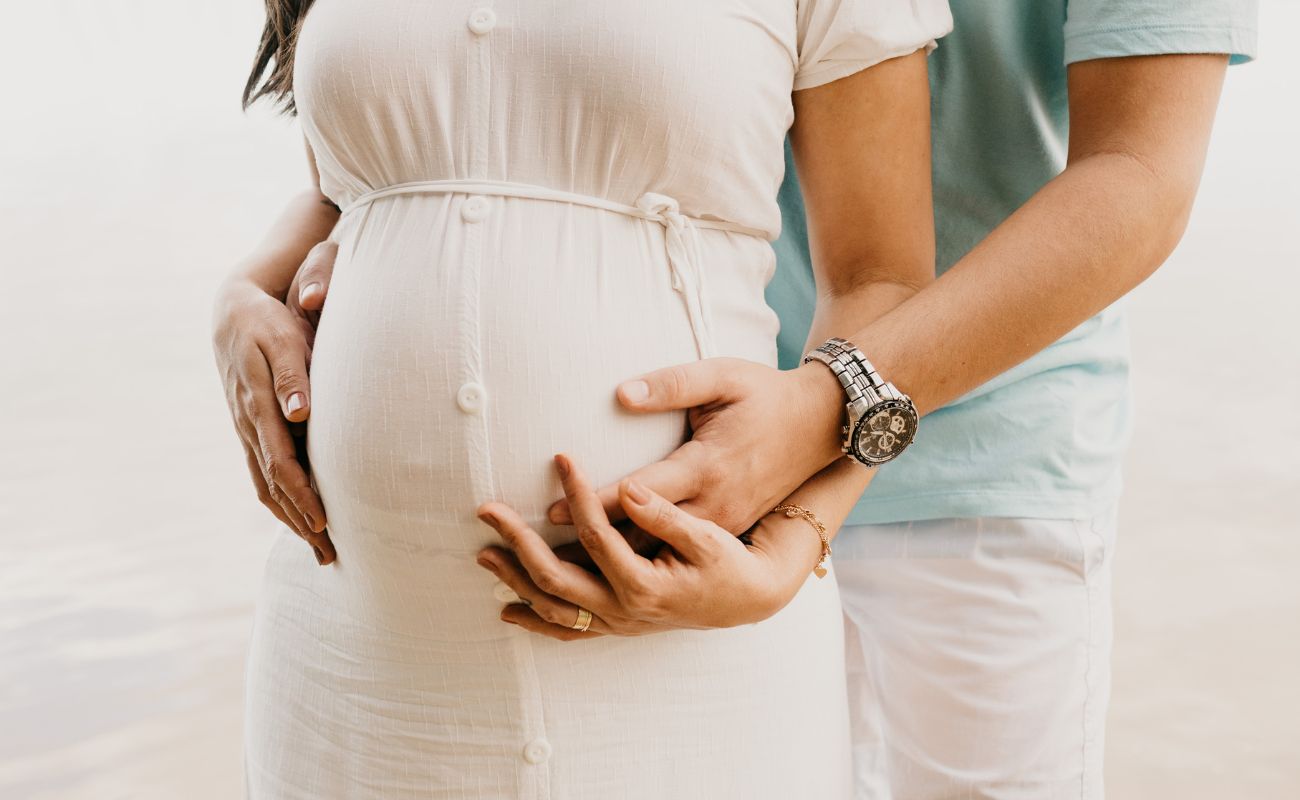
<point>584,620</point>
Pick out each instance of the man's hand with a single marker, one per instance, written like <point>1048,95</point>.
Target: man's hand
<point>704,577</point>
<point>758,433</point>
<point>262,350</point>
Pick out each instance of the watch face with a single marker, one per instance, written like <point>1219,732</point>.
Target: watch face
<point>886,431</point>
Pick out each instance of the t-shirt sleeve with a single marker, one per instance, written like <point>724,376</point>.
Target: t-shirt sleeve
<point>1113,28</point>
<point>837,38</point>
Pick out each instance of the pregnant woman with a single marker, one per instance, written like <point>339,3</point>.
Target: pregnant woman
<point>537,200</point>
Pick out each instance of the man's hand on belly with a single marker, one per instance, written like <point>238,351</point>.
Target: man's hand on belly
<point>758,433</point>
<point>703,577</point>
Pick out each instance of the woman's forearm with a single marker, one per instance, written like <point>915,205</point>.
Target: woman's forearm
<point>306,220</point>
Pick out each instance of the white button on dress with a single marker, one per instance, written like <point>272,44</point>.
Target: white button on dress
<point>535,212</point>
<point>482,20</point>
<point>474,209</point>
<point>471,397</point>
<point>537,751</point>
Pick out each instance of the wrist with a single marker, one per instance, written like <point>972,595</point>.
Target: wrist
<point>824,404</point>
<point>237,296</point>
<point>793,545</point>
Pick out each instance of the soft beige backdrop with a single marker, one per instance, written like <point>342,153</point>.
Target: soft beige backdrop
<point>131,543</point>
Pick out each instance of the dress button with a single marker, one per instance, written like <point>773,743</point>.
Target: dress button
<point>474,209</point>
<point>502,592</point>
<point>482,20</point>
<point>471,397</point>
<point>537,751</point>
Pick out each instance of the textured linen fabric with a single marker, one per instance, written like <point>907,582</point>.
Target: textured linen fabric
<point>978,656</point>
<point>1046,438</point>
<point>471,335</point>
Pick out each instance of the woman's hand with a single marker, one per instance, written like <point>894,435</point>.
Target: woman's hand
<point>704,578</point>
<point>262,350</point>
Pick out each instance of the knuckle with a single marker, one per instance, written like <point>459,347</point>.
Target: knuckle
<point>246,399</point>
<point>549,581</point>
<point>273,491</point>
<point>549,613</point>
<point>589,535</point>
<point>667,517</point>
<point>674,381</point>
<point>285,379</point>
<point>711,472</point>
<point>281,475</point>
<point>646,607</point>
<point>278,338</point>
<point>640,601</point>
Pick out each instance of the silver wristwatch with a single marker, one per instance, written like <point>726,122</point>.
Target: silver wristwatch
<point>881,420</point>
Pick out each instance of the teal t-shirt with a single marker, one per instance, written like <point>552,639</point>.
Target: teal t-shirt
<point>1046,438</point>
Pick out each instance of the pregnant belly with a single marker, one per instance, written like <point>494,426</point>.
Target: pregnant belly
<point>452,362</point>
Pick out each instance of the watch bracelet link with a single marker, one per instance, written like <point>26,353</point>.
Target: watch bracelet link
<point>857,376</point>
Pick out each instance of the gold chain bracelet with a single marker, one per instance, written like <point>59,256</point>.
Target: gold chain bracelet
<point>791,510</point>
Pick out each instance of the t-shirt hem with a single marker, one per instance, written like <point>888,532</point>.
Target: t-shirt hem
<point>1140,40</point>
<point>834,70</point>
<point>972,503</point>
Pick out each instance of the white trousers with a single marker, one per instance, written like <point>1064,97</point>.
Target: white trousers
<point>978,656</point>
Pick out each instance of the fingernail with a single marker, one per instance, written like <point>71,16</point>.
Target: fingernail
<point>562,466</point>
<point>559,514</point>
<point>307,292</point>
<point>638,493</point>
<point>503,618</point>
<point>636,391</point>
<point>320,555</point>
<point>485,561</point>
<point>487,517</point>
<point>297,400</point>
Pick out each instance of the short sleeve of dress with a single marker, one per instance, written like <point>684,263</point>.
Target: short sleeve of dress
<point>837,38</point>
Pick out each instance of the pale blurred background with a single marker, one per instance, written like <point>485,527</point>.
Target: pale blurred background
<point>131,542</point>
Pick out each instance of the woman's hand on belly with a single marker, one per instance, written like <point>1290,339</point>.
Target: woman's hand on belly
<point>704,578</point>
<point>262,349</point>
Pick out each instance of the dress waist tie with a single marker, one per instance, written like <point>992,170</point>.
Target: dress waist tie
<point>681,233</point>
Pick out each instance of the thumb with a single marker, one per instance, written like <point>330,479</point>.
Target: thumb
<point>680,387</point>
<point>314,275</point>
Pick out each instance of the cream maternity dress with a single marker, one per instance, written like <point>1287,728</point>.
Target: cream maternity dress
<point>541,199</point>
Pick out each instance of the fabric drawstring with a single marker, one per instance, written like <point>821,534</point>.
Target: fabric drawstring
<point>682,243</point>
<point>681,233</point>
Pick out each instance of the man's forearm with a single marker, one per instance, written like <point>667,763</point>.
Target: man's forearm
<point>1139,130</point>
<point>306,220</point>
<point>1081,243</point>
